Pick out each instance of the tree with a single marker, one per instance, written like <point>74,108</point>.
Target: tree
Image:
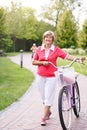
<point>55,8</point>
<point>2,28</point>
<point>23,27</point>
<point>82,36</point>
<point>20,23</point>
<point>13,22</point>
<point>5,40</point>
<point>66,34</point>
<point>2,19</point>
<point>29,24</point>
<point>42,26</point>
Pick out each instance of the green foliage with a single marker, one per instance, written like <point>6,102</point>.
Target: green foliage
<point>20,22</point>
<point>41,28</point>
<point>55,8</point>
<point>66,34</point>
<point>7,42</point>
<point>80,51</point>
<point>2,27</point>
<point>76,51</point>
<point>82,36</point>
<point>29,24</point>
<point>2,19</point>
<point>70,50</point>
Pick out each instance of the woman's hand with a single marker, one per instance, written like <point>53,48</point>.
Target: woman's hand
<point>45,63</point>
<point>81,60</point>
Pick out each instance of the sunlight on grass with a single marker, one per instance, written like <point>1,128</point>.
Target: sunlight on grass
<point>14,82</point>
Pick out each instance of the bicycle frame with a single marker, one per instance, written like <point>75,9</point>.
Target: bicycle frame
<point>69,97</point>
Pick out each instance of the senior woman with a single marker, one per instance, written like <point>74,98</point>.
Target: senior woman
<point>46,79</point>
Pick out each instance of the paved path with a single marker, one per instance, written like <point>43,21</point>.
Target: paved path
<point>26,113</point>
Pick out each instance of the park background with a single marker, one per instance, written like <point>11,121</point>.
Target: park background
<point>21,26</point>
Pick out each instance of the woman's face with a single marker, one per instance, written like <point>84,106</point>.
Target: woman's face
<point>48,39</point>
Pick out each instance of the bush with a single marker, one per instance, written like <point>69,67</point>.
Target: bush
<point>70,50</point>
<point>2,53</point>
<point>86,51</point>
<point>80,51</point>
<point>77,51</point>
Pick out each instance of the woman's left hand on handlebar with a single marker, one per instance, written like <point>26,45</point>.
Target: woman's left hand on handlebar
<point>81,60</point>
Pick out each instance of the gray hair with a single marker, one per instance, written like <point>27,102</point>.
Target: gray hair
<point>49,33</point>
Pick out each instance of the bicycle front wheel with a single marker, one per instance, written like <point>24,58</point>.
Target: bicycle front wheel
<point>76,100</point>
<point>65,111</point>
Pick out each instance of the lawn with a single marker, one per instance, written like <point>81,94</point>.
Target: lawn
<point>14,82</point>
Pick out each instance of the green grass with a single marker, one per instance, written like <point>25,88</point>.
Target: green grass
<point>78,67</point>
<point>12,53</point>
<point>14,82</point>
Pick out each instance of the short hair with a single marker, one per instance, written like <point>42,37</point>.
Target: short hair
<point>49,33</point>
<point>34,44</point>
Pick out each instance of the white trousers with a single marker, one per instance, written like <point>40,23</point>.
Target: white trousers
<point>47,87</point>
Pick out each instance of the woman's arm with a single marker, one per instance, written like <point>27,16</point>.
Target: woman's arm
<point>71,57</point>
<point>37,62</point>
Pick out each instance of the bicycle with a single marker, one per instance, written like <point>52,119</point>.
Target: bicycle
<point>69,95</point>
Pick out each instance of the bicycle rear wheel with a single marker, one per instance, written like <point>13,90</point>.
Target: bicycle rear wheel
<point>65,111</point>
<point>76,100</point>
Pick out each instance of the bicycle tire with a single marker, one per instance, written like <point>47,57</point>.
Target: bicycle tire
<point>65,112</point>
<point>76,100</point>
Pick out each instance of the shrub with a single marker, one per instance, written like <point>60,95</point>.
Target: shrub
<point>70,50</point>
<point>80,51</point>
<point>77,51</point>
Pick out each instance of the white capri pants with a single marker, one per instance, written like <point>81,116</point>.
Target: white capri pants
<point>47,87</point>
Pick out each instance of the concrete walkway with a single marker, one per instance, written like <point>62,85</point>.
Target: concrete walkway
<point>26,113</point>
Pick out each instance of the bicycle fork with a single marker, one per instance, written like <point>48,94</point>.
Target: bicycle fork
<point>70,96</point>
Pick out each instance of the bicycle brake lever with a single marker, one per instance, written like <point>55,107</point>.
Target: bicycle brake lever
<point>81,62</point>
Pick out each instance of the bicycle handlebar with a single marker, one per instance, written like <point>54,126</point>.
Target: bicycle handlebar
<point>79,60</point>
